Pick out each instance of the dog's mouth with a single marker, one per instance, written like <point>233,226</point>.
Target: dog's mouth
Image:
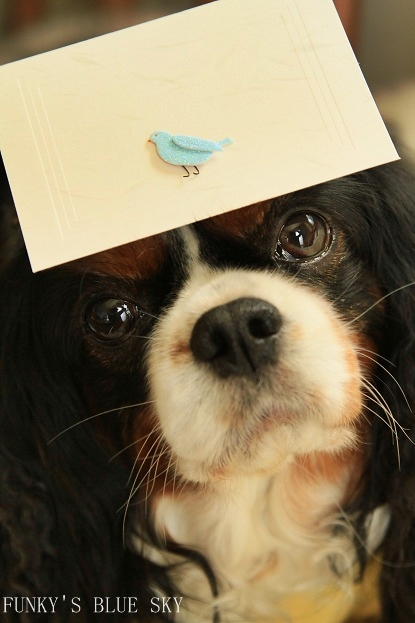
<point>275,416</point>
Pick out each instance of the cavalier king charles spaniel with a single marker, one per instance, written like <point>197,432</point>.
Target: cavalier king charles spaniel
<point>215,423</point>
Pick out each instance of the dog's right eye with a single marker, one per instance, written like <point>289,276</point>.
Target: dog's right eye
<point>110,319</point>
<point>304,236</point>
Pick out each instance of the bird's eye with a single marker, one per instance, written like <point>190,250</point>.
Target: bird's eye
<point>110,319</point>
<point>304,236</point>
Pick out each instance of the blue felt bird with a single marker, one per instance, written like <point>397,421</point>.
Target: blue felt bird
<point>186,150</point>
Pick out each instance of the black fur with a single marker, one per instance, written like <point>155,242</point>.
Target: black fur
<point>60,527</point>
<point>60,521</point>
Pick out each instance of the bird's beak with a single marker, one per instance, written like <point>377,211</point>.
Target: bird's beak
<point>149,140</point>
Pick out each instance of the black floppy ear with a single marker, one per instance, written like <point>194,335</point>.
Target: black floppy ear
<point>391,471</point>
<point>11,239</point>
<point>61,529</point>
<point>393,258</point>
<point>399,270</point>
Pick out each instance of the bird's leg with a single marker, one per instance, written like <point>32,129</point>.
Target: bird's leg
<point>197,170</point>
<point>186,171</point>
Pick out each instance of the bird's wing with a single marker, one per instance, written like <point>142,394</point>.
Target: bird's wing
<point>196,144</point>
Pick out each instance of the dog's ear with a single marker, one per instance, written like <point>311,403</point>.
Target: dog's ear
<point>393,260</point>
<point>11,239</point>
<point>390,477</point>
<point>398,266</point>
<point>61,495</point>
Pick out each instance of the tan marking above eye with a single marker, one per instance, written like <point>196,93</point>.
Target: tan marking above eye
<point>238,223</point>
<point>137,260</point>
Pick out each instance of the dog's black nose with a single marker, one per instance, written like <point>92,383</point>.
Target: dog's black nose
<point>237,338</point>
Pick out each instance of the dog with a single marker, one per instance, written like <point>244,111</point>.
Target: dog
<point>215,423</point>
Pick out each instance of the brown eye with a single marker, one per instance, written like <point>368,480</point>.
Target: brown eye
<point>111,319</point>
<point>304,236</point>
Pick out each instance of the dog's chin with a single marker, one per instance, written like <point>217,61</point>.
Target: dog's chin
<point>306,401</point>
<point>274,451</point>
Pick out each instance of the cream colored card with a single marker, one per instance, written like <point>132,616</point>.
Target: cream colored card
<point>277,76</point>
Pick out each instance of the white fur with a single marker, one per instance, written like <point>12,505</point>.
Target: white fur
<point>262,554</point>
<point>252,493</point>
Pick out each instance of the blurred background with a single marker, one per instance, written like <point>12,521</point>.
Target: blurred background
<point>381,32</point>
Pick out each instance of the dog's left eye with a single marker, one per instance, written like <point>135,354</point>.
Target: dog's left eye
<point>304,235</point>
<point>111,319</point>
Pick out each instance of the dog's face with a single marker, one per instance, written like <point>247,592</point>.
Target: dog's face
<point>245,340</point>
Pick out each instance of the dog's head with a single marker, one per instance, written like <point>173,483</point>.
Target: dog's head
<point>223,349</point>
<point>244,340</point>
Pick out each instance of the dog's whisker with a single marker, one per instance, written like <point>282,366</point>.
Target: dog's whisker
<point>130,445</point>
<point>373,397</point>
<point>133,489</point>
<point>175,475</point>
<point>155,317</point>
<point>144,459</point>
<point>150,456</point>
<point>131,494</point>
<point>352,280</point>
<point>364,353</point>
<point>152,481</point>
<point>376,355</point>
<point>155,462</point>
<point>407,285</point>
<point>391,425</point>
<point>182,484</point>
<point>100,414</point>
<point>384,405</point>
<point>168,482</point>
<point>389,421</point>
<point>149,338</point>
<point>168,471</point>
<point>154,457</point>
<point>377,396</point>
<point>155,429</point>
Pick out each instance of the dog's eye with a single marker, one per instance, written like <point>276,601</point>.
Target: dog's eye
<point>304,235</point>
<point>111,319</point>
